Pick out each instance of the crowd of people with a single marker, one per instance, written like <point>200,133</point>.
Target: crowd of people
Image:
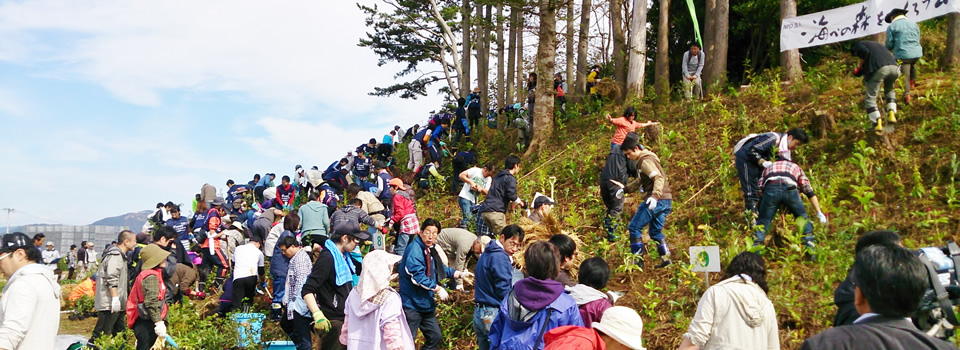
<point>302,243</point>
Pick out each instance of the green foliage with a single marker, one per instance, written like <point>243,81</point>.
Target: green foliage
<point>83,305</point>
<point>192,331</point>
<point>120,341</point>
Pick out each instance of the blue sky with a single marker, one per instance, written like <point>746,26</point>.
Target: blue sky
<point>109,107</point>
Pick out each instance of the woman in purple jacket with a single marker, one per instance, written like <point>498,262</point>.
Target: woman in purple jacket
<point>536,304</point>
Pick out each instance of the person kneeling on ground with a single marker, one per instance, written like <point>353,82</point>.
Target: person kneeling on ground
<point>619,329</point>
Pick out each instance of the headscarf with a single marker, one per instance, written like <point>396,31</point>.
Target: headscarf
<point>375,276</point>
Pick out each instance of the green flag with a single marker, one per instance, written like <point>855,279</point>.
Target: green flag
<point>696,24</point>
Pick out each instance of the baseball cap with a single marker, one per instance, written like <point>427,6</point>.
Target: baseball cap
<point>541,200</point>
<point>398,183</point>
<point>351,228</point>
<point>14,241</point>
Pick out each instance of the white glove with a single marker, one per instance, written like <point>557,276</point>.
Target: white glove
<point>767,164</point>
<point>460,287</point>
<point>115,304</point>
<point>651,203</point>
<point>442,293</point>
<point>823,218</point>
<point>160,329</point>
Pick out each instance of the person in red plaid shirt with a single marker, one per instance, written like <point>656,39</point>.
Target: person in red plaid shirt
<point>780,185</point>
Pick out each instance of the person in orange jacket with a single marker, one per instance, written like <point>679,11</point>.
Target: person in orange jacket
<point>85,287</point>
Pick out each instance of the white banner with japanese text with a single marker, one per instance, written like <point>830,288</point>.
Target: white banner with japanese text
<point>854,21</point>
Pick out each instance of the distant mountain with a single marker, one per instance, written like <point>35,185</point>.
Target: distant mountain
<point>131,220</point>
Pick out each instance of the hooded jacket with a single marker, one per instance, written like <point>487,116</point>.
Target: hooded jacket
<point>651,177</point>
<point>364,320</point>
<point>494,273</point>
<point>503,190</point>
<point>111,274</point>
<point>30,309</point>
<point>524,311</point>
<point>314,218</point>
<point>734,314</point>
<point>592,303</point>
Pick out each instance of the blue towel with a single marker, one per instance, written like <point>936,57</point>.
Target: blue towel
<point>341,265</point>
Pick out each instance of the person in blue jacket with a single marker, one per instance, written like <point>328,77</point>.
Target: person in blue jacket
<point>903,38</point>
<point>421,271</point>
<point>265,181</point>
<point>436,145</point>
<point>234,191</point>
<point>336,175</point>
<point>494,273</point>
<point>536,304</point>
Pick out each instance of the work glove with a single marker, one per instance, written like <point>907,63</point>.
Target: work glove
<point>822,217</point>
<point>160,329</point>
<point>460,287</point>
<point>320,322</point>
<point>115,304</point>
<point>467,276</point>
<point>651,203</point>
<point>442,293</point>
<point>767,164</point>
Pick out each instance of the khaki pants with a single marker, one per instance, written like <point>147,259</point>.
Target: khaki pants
<point>416,155</point>
<point>692,87</point>
<point>496,221</point>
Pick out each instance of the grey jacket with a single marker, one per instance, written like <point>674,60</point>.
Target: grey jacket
<point>692,65</point>
<point>111,274</point>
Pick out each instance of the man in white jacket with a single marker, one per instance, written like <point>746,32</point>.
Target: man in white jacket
<point>30,305</point>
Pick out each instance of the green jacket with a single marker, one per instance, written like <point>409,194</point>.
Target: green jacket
<point>903,38</point>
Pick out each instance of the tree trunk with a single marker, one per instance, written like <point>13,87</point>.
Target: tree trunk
<point>619,43</point>
<point>467,49</point>
<point>512,56</point>
<point>583,45</point>
<point>951,55</point>
<point>520,90</point>
<point>662,69</point>
<point>485,86</point>
<point>570,43</point>
<point>546,64</point>
<point>638,50</point>
<point>715,67</point>
<point>501,92</point>
<point>790,59</point>
<point>482,58</point>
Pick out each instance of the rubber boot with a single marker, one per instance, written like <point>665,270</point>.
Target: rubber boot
<point>638,251</point>
<point>877,121</point>
<point>275,312</point>
<point>892,112</point>
<point>664,251</point>
<point>611,225</point>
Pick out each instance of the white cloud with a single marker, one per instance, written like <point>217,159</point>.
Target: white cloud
<point>289,55</point>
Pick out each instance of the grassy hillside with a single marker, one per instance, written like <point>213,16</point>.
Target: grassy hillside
<point>863,184</point>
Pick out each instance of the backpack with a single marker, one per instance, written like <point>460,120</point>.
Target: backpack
<point>474,102</point>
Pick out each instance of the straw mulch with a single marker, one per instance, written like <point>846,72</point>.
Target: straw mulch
<point>548,227</point>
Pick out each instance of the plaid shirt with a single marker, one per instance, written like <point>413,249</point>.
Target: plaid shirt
<point>297,273</point>
<point>410,224</point>
<point>788,172</point>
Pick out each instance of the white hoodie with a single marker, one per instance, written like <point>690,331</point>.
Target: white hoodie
<point>734,314</point>
<point>30,309</point>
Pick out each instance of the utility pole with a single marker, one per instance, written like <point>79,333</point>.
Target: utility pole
<point>9,210</point>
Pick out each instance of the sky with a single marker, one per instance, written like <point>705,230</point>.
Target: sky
<point>108,107</point>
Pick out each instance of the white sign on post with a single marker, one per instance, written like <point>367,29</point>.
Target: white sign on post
<point>855,21</point>
<point>706,260</point>
<point>378,240</point>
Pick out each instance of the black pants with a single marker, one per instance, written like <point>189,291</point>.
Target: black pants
<point>244,290</point>
<point>70,273</point>
<point>427,323</point>
<point>330,340</point>
<point>474,116</point>
<point>144,331</point>
<point>258,193</point>
<point>749,175</point>
<point>109,323</point>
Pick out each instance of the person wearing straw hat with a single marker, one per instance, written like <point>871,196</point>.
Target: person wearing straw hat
<point>30,305</point>
<point>146,310</point>
<point>374,311</point>
<point>619,329</point>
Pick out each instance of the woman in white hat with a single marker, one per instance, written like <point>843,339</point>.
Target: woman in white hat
<point>374,313</point>
<point>620,328</point>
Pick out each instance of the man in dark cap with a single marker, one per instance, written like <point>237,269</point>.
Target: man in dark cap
<point>903,38</point>
<point>30,305</point>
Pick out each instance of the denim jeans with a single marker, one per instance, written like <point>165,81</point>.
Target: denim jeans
<point>775,196</point>
<point>482,319</point>
<point>300,332</point>
<point>427,323</point>
<point>402,241</point>
<point>466,209</point>
<point>654,218</point>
